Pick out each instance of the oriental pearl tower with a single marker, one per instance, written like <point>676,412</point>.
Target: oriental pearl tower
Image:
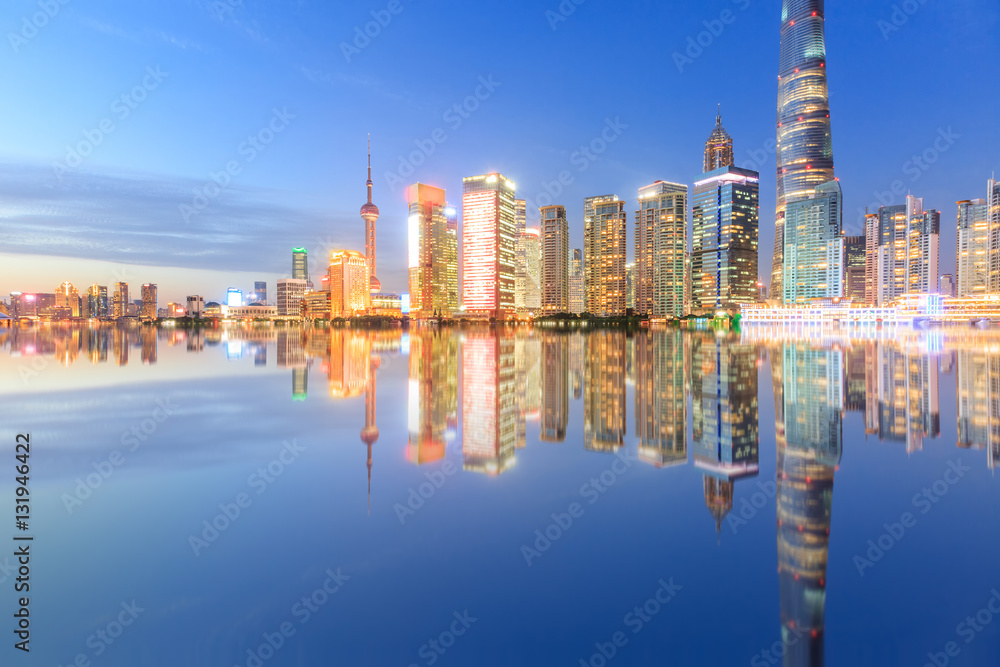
<point>369,213</point>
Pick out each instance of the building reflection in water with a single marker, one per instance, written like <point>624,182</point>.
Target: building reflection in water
<point>489,406</point>
<point>527,349</point>
<point>725,432</point>
<point>660,402</point>
<point>604,391</point>
<point>432,395</point>
<point>555,386</point>
<point>809,388</point>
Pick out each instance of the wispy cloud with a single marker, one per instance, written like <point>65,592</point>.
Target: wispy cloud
<point>141,36</point>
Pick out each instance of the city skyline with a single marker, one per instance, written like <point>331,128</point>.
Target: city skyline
<point>295,210</point>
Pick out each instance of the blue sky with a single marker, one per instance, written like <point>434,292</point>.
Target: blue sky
<point>200,77</point>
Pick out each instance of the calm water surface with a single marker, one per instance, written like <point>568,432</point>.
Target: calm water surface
<point>286,497</point>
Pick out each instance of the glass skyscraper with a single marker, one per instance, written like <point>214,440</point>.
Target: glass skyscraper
<point>814,246</point>
<point>488,239</point>
<point>725,218</point>
<point>805,146</point>
<point>433,253</point>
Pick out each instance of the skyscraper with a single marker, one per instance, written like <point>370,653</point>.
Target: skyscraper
<point>660,250</point>
<point>300,264</point>
<point>908,250</point>
<point>148,301</point>
<point>260,292</point>
<point>369,213</point>
<point>120,308</point>
<point>520,215</point>
<point>488,227</point>
<point>718,147</point>
<point>555,259</point>
<point>814,246</point>
<point>576,281</point>
<point>604,248</point>
<point>349,283</point>
<point>993,215</point>
<point>871,258</point>
<point>291,291</point>
<point>528,271</point>
<point>432,253</point>
<point>805,146</point>
<point>97,301</point>
<point>67,298</point>
<point>973,251</point>
<point>725,226</point>
<point>854,268</point>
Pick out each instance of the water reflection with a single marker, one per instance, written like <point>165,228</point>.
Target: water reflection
<point>484,391</point>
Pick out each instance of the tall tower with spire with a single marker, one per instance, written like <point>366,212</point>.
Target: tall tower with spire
<point>369,213</point>
<point>718,147</point>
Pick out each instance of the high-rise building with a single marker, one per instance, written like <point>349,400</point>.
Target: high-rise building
<point>260,292</point>
<point>195,306</point>
<point>369,213</point>
<point>805,146</point>
<point>120,304</point>
<point>718,147</point>
<point>908,250</point>
<point>350,292</point>
<point>148,301</point>
<point>946,285</point>
<point>432,253</point>
<point>814,246</point>
<point>234,297</point>
<point>555,259</point>
<point>871,258</point>
<point>451,257</point>
<point>290,294</point>
<point>488,228</point>
<point>576,300</point>
<point>630,287</point>
<point>520,216</point>
<point>725,218</point>
<point>993,215</point>
<point>97,301</point>
<point>660,250</point>
<point>528,271</point>
<point>68,299</point>
<point>300,264</point>
<point>855,268</point>
<point>973,252</point>
<point>604,239</point>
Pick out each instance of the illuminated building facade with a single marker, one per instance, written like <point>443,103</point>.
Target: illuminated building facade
<point>576,292</point>
<point>604,408</point>
<point>718,147</point>
<point>725,216</point>
<point>660,250</point>
<point>350,286</point>
<point>855,268</point>
<point>148,302</point>
<point>973,259</point>
<point>604,231</point>
<point>290,294</point>
<point>488,239</point>
<point>979,402</point>
<point>993,215</point>
<point>528,272</point>
<point>908,250</point>
<point>489,410</point>
<point>97,301</point>
<point>120,303</point>
<point>433,253</point>
<point>871,258</point>
<point>300,264</point>
<point>67,300</point>
<point>946,285</point>
<point>555,259</point>
<point>813,262</point>
<point>907,395</point>
<point>805,144</point>
<point>660,400</point>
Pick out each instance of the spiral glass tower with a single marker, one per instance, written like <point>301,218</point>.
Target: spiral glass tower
<point>805,147</point>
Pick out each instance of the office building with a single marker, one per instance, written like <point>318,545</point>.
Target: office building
<point>234,297</point>
<point>290,294</point>
<point>195,306</point>
<point>946,285</point>
<point>555,259</point>
<point>528,272</point>
<point>725,216</point>
<point>97,301</point>
<point>488,239</point>
<point>871,258</point>
<point>660,250</point>
<point>121,302</point>
<point>813,262</point>
<point>433,253</point>
<point>908,250</point>
<point>148,302</point>
<point>604,251</point>
<point>993,216</point>
<point>974,241</point>
<point>718,147</point>
<point>300,264</point>
<point>805,145</point>
<point>260,292</point>
<point>350,284</point>
<point>855,268</point>
<point>67,300</point>
<point>576,292</point>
